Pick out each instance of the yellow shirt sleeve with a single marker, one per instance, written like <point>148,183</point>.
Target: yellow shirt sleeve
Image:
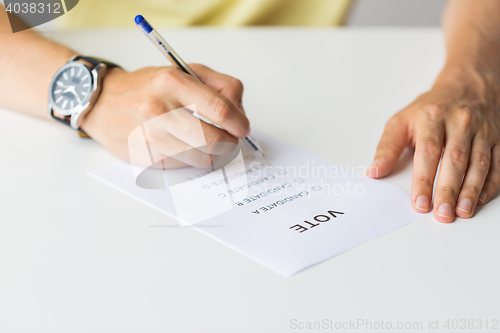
<point>121,13</point>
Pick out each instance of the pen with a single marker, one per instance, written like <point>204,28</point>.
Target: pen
<point>174,58</point>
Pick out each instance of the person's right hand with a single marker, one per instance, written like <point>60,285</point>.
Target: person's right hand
<point>130,99</point>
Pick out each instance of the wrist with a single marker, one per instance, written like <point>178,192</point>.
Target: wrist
<point>470,74</point>
<point>477,60</point>
<point>90,123</point>
<point>470,85</point>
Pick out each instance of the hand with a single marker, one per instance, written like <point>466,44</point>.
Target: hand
<point>457,122</point>
<point>129,100</point>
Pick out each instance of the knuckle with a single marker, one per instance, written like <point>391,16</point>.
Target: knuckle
<point>168,76</point>
<point>423,181</point>
<point>149,108</point>
<point>447,191</point>
<point>236,83</point>
<point>464,117</point>
<point>430,148</point>
<point>473,189</point>
<point>221,108</point>
<point>458,156</point>
<point>482,159</point>
<point>433,111</point>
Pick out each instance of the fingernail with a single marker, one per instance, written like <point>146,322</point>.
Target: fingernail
<point>445,211</point>
<point>373,170</point>
<point>422,203</point>
<point>465,205</point>
<point>483,196</point>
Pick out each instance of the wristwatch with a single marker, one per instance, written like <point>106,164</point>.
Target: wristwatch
<point>75,88</point>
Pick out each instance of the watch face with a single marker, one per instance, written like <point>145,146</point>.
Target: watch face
<point>71,88</point>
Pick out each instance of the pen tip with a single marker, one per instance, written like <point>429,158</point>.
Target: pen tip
<point>139,19</point>
<point>143,24</point>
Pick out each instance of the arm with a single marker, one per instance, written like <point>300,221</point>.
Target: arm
<point>128,100</point>
<point>28,63</point>
<point>457,122</point>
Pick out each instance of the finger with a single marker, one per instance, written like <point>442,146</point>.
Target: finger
<point>391,145</point>
<point>196,133</point>
<point>453,165</point>
<point>171,163</point>
<point>479,164</point>
<point>163,145</point>
<point>209,103</point>
<point>168,163</point>
<point>225,85</point>
<point>428,150</point>
<point>493,179</point>
<point>141,155</point>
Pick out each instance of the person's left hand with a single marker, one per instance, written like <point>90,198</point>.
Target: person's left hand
<point>457,122</point>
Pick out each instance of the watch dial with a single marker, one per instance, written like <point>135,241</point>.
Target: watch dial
<point>71,87</point>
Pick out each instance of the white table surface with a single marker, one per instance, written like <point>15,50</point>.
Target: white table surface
<point>79,256</point>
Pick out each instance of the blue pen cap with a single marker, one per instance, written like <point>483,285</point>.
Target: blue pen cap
<point>143,24</point>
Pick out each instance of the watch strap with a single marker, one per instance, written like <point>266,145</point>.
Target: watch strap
<point>67,121</point>
<point>94,61</point>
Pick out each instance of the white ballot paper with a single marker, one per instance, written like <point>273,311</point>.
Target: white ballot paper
<point>288,211</point>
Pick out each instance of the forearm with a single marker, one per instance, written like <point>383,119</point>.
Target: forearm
<point>472,32</point>
<point>27,63</point>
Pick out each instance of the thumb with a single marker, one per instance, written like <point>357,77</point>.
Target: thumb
<point>394,140</point>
